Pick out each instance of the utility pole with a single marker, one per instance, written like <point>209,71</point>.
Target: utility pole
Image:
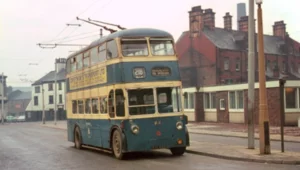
<point>2,99</point>
<point>55,92</point>
<point>101,32</point>
<point>264,130</point>
<point>43,103</point>
<point>251,75</point>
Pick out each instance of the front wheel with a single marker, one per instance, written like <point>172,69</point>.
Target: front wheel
<point>117,144</point>
<point>77,140</point>
<point>178,151</point>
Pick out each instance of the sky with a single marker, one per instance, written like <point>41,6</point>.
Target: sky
<point>25,23</point>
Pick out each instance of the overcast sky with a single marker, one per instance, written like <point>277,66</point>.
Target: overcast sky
<point>24,23</point>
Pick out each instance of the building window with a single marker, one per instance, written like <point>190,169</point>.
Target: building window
<point>36,100</point>
<point>50,87</point>
<point>283,66</point>
<point>238,64</point>
<point>240,99</point>
<point>186,101</point>
<point>210,100</point>
<point>222,104</point>
<point>60,98</point>
<point>236,99</point>
<point>292,98</point>
<point>232,100</point>
<point>191,101</point>
<point>51,99</point>
<point>268,65</point>
<point>37,89</point>
<point>226,64</point>
<point>59,86</point>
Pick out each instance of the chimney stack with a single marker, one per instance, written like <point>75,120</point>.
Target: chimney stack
<point>228,21</point>
<point>60,64</point>
<point>243,24</point>
<point>279,29</point>
<point>209,18</point>
<point>195,22</point>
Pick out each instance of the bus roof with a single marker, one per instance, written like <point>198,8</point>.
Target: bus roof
<point>128,33</point>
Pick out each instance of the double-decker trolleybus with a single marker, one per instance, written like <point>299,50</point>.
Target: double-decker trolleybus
<point>124,94</point>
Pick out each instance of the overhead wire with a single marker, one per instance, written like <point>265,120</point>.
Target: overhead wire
<point>26,70</point>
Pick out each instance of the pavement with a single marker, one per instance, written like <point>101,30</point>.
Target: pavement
<point>228,151</point>
<point>291,134</point>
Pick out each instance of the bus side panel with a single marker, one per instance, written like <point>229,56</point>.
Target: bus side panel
<point>71,127</point>
<point>94,132</point>
<point>155,133</point>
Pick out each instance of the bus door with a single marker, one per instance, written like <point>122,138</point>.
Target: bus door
<point>111,103</point>
<point>116,103</point>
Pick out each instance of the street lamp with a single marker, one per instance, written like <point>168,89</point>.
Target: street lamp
<point>264,131</point>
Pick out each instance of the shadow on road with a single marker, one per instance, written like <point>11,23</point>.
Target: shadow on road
<point>132,156</point>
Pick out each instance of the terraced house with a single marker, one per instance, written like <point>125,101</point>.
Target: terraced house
<point>214,69</point>
<point>43,93</point>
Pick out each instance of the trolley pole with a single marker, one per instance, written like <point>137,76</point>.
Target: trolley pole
<point>251,75</point>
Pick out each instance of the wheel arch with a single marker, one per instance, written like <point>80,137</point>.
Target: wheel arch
<point>124,139</point>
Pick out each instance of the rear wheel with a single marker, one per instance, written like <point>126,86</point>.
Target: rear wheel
<point>178,151</point>
<point>117,144</point>
<point>77,140</point>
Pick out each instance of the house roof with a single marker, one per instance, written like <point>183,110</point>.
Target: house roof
<point>50,77</point>
<point>229,39</point>
<point>19,95</point>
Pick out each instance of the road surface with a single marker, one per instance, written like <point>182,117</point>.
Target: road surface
<point>32,147</point>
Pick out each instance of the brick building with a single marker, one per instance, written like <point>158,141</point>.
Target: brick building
<point>212,56</point>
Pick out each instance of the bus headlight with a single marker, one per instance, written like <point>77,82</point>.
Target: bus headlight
<point>135,129</point>
<point>179,125</point>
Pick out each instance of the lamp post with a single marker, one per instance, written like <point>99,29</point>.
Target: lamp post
<point>264,132</point>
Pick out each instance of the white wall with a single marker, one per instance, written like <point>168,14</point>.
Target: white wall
<point>47,93</point>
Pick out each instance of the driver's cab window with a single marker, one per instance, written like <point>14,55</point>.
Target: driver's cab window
<point>164,100</point>
<point>111,103</point>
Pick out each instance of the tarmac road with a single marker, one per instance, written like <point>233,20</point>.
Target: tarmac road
<point>32,147</point>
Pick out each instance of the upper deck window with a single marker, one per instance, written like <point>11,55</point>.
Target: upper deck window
<point>112,49</point>
<point>79,62</point>
<point>161,47</point>
<point>134,47</point>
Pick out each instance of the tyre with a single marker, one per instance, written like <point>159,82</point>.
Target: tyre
<point>77,138</point>
<point>178,151</point>
<point>117,144</point>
